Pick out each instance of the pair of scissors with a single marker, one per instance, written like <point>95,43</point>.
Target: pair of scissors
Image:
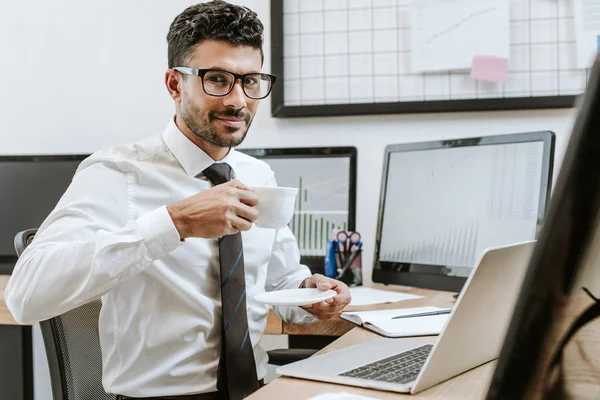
<point>348,241</point>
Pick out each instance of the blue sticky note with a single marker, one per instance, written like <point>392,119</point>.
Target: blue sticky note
<point>598,43</point>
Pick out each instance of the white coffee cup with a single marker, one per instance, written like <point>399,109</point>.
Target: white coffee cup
<point>275,206</point>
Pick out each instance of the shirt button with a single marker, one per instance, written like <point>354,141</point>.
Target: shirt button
<point>166,248</point>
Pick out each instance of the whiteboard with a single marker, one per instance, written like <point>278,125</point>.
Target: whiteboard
<point>337,57</point>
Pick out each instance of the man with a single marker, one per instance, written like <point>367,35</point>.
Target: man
<point>155,229</point>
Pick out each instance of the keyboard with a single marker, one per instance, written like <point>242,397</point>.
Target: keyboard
<point>399,368</point>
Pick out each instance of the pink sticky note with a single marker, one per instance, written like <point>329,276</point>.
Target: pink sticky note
<point>489,68</point>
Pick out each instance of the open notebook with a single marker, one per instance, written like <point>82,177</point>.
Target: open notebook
<point>383,323</point>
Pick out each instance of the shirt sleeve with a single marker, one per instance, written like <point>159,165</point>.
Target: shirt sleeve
<point>285,272</point>
<point>87,245</point>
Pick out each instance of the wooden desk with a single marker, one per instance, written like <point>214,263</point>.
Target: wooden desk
<point>470,385</point>
<point>6,317</point>
<point>338,326</point>
<point>581,371</point>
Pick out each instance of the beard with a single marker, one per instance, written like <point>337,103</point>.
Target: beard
<point>203,128</point>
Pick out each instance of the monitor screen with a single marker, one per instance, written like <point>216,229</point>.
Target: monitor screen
<point>443,203</point>
<point>544,354</point>
<point>326,179</point>
<point>31,187</point>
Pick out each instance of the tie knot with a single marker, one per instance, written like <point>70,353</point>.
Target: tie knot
<point>219,173</point>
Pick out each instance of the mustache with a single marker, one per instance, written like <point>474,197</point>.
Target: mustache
<point>238,114</point>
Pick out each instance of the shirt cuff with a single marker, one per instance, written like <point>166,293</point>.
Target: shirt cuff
<point>297,283</point>
<point>304,317</point>
<point>158,232</point>
<point>295,315</point>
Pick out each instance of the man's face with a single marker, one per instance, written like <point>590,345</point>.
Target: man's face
<point>221,121</point>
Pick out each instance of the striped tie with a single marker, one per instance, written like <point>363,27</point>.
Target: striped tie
<point>237,376</point>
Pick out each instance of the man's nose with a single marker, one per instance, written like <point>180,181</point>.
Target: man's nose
<point>236,98</point>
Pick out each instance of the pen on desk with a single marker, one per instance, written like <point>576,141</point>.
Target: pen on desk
<point>423,314</point>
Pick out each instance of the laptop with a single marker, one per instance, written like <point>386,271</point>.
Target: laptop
<point>472,336</point>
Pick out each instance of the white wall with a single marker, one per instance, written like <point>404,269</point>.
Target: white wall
<point>75,88</point>
<point>80,76</point>
<point>75,84</point>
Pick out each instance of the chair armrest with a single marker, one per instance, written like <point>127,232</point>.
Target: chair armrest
<point>286,356</point>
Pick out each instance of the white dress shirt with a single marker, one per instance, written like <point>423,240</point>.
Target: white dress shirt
<point>111,237</point>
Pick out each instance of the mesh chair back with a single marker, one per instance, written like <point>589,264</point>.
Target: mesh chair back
<point>72,346</point>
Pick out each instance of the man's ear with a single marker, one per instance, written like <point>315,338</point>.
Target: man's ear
<point>172,80</point>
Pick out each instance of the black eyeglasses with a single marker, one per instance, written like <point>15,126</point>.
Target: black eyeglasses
<point>217,82</point>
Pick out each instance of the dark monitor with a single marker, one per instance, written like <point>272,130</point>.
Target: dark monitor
<point>564,268</point>
<point>443,203</point>
<point>326,177</point>
<point>30,188</point>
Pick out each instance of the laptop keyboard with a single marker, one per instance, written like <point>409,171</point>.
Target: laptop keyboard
<point>400,368</point>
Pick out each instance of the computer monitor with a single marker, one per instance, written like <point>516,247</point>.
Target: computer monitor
<point>443,203</point>
<point>564,264</point>
<point>30,188</point>
<point>326,177</point>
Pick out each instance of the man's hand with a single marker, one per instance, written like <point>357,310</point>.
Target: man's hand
<point>222,210</point>
<point>330,308</point>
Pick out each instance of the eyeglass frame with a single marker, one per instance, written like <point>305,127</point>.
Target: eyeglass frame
<point>203,71</point>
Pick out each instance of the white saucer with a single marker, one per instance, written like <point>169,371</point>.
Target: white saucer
<point>295,297</point>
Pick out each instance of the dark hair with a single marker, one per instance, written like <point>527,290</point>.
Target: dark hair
<point>215,20</point>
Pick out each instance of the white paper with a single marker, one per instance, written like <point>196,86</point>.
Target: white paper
<point>363,296</point>
<point>341,396</point>
<point>447,34</point>
<point>587,29</point>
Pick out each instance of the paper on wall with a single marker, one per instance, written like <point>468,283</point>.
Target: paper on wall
<point>587,30</point>
<point>447,34</point>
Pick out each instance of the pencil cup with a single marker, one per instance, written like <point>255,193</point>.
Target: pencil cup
<point>356,268</point>
<point>330,255</point>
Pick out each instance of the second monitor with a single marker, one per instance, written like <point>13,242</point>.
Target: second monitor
<point>444,202</point>
<point>326,179</point>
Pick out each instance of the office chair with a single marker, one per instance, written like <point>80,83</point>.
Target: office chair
<point>286,356</point>
<point>73,348</point>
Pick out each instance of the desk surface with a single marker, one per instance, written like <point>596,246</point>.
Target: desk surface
<point>6,317</point>
<point>470,385</point>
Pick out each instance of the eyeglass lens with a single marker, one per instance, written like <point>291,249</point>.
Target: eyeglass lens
<point>220,83</point>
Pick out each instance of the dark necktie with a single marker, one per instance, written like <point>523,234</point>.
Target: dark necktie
<point>237,376</point>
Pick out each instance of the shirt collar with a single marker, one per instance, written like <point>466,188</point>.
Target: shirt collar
<point>191,157</point>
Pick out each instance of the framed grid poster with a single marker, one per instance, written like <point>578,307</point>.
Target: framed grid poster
<point>349,57</point>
